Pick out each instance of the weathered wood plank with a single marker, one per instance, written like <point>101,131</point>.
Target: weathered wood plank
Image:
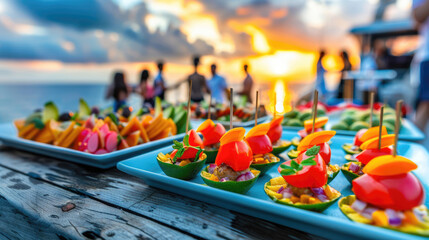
<point>119,189</point>
<point>73,216</point>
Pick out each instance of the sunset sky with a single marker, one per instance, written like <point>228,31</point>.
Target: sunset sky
<point>84,41</point>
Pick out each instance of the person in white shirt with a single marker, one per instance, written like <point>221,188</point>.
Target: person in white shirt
<point>217,85</point>
<point>421,14</point>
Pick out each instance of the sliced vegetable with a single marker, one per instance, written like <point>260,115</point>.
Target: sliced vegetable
<point>389,165</point>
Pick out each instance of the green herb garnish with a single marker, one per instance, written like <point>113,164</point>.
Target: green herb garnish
<point>296,167</point>
<point>181,147</point>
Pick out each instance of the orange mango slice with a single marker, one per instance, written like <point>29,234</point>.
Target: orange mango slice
<point>320,122</point>
<point>132,126</point>
<point>31,134</point>
<point>154,123</point>
<point>386,140</point>
<point>45,135</point>
<point>233,135</point>
<point>133,138</point>
<point>160,126</point>
<point>64,134</point>
<point>163,134</point>
<point>315,139</point>
<point>68,141</point>
<point>389,165</point>
<point>19,123</point>
<point>26,129</point>
<point>172,126</point>
<point>372,133</point>
<point>276,121</point>
<point>258,130</point>
<point>206,124</point>
<point>146,120</point>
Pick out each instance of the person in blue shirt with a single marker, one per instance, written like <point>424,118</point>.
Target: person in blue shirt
<point>159,83</point>
<point>217,85</point>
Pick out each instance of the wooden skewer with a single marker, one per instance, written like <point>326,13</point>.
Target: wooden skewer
<point>231,105</point>
<point>315,102</point>
<point>398,118</point>
<point>210,105</point>
<point>371,105</point>
<point>275,103</point>
<point>256,108</point>
<point>381,126</point>
<point>189,106</point>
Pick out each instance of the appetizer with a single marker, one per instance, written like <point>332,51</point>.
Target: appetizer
<point>321,139</point>
<point>308,125</point>
<point>211,135</point>
<point>93,131</point>
<point>231,171</point>
<point>242,112</point>
<point>261,147</point>
<point>187,158</point>
<point>275,134</point>
<point>371,150</point>
<point>361,136</point>
<point>388,195</point>
<point>303,183</point>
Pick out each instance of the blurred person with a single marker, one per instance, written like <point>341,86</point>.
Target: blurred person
<point>320,76</point>
<point>368,64</point>
<point>347,66</point>
<point>199,84</point>
<point>159,83</point>
<point>119,90</point>
<point>217,85</point>
<point>421,14</point>
<point>146,90</point>
<point>247,84</point>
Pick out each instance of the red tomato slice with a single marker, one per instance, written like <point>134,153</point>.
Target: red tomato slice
<point>194,140</point>
<point>309,176</point>
<point>367,155</point>
<point>260,144</point>
<point>238,155</point>
<point>324,152</point>
<point>358,135</point>
<point>400,192</point>
<point>275,133</point>
<point>212,135</point>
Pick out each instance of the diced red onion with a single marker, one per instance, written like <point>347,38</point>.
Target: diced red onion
<point>245,176</point>
<point>318,191</point>
<point>354,167</point>
<point>358,206</point>
<point>394,219</point>
<point>367,212</point>
<point>177,163</point>
<point>419,214</point>
<point>280,190</point>
<point>211,168</point>
<point>224,179</point>
<point>287,194</point>
<point>322,198</point>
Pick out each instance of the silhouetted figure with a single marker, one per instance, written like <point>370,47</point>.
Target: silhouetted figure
<point>119,90</point>
<point>247,84</point>
<point>320,75</point>
<point>199,85</point>
<point>347,66</point>
<point>217,85</point>
<point>146,90</point>
<point>159,82</point>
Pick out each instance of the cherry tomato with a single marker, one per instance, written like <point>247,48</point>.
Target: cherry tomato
<point>275,133</point>
<point>309,176</point>
<point>358,135</point>
<point>194,140</point>
<point>324,152</point>
<point>367,155</point>
<point>211,135</point>
<point>399,192</point>
<point>260,144</point>
<point>238,155</point>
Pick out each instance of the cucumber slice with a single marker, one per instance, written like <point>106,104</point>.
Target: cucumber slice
<point>50,112</point>
<point>84,110</point>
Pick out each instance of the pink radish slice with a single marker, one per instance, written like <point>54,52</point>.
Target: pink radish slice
<point>102,132</point>
<point>81,139</point>
<point>111,141</point>
<point>101,151</point>
<point>92,142</point>
<point>89,123</point>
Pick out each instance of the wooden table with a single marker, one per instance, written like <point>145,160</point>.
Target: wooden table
<point>46,198</point>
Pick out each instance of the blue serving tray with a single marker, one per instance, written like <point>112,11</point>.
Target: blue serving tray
<point>9,137</point>
<point>331,224</point>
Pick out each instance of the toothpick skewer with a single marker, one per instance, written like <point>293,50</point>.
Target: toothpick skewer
<point>371,105</point>
<point>275,103</point>
<point>189,106</point>
<point>315,102</point>
<point>256,108</point>
<point>381,126</point>
<point>210,105</point>
<point>231,106</point>
<point>398,118</point>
